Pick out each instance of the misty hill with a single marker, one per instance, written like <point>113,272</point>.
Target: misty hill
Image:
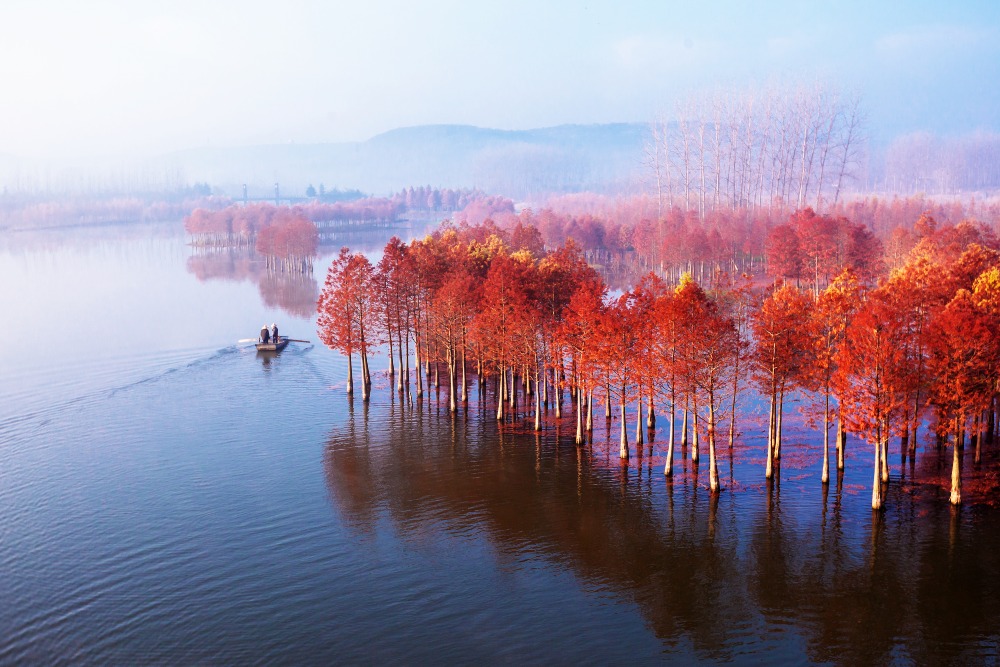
<point>518,163</point>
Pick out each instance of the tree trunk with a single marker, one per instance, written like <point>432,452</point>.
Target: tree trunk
<point>876,482</point>
<point>392,365</point>
<point>841,438</point>
<point>668,467</point>
<point>538,405</point>
<point>638,424</point>
<point>885,455</point>
<point>694,430</point>
<point>590,410</point>
<point>350,375</point>
<point>769,465</point>
<point>826,440</point>
<point>545,388</point>
<point>512,389</point>
<point>452,402</point>
<point>956,475</point>
<point>684,424</point>
<point>465,384</point>
<point>501,379</point>
<point>777,425</point>
<point>623,450</point>
<point>713,466</point>
<point>399,351</point>
<point>416,363</point>
<point>557,399</point>
<point>650,412</point>
<point>978,424</point>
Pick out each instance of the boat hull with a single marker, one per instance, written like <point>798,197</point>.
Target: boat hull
<point>272,347</point>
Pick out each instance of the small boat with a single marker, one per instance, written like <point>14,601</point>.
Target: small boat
<point>273,347</point>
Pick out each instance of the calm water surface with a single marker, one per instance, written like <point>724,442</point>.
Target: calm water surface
<point>168,495</point>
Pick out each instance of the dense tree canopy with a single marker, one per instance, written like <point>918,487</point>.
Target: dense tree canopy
<point>876,355</point>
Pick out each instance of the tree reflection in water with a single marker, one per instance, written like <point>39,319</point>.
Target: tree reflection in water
<point>794,573</point>
<point>294,293</point>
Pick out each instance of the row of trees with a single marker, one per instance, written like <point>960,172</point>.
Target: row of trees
<point>30,212</point>
<point>284,236</point>
<point>876,359</point>
<point>426,198</point>
<point>754,148</point>
<point>922,162</point>
<point>627,238</point>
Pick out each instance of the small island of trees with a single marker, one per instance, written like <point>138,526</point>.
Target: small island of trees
<point>875,351</point>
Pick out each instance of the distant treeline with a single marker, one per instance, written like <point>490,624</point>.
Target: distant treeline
<point>921,162</point>
<point>426,198</point>
<point>627,238</point>
<point>21,211</point>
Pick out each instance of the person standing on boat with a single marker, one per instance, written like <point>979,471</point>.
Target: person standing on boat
<point>265,335</point>
<point>274,333</point>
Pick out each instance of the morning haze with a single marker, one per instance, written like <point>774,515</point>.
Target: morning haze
<point>499,332</point>
<point>138,80</point>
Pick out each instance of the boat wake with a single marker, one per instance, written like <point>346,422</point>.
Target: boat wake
<point>26,403</point>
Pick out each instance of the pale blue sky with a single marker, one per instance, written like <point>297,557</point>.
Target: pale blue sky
<point>122,78</point>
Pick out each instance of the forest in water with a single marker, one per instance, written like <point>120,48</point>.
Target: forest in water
<point>883,336</point>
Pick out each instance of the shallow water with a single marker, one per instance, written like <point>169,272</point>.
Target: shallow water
<point>168,495</point>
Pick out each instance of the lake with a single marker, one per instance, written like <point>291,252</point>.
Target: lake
<point>168,495</point>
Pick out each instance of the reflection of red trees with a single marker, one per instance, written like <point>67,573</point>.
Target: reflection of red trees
<point>293,293</point>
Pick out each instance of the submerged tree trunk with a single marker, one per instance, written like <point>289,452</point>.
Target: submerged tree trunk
<point>694,430</point>
<point>350,375</point>
<point>956,474</point>
<point>366,384</point>
<point>392,363</point>
<point>979,430</point>
<point>399,351</point>
<point>826,441</point>
<point>769,464</point>
<point>538,404</point>
<point>623,450</point>
<point>876,482</point>
<point>684,424</point>
<point>500,389</point>
<point>885,455</point>
<point>465,384</point>
<point>452,389</point>
<point>638,424</point>
<point>713,466</point>
<point>668,467</point>
<point>590,410</point>
<point>416,364</point>
<point>777,425</point>
<point>650,412</point>
<point>841,438</point>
